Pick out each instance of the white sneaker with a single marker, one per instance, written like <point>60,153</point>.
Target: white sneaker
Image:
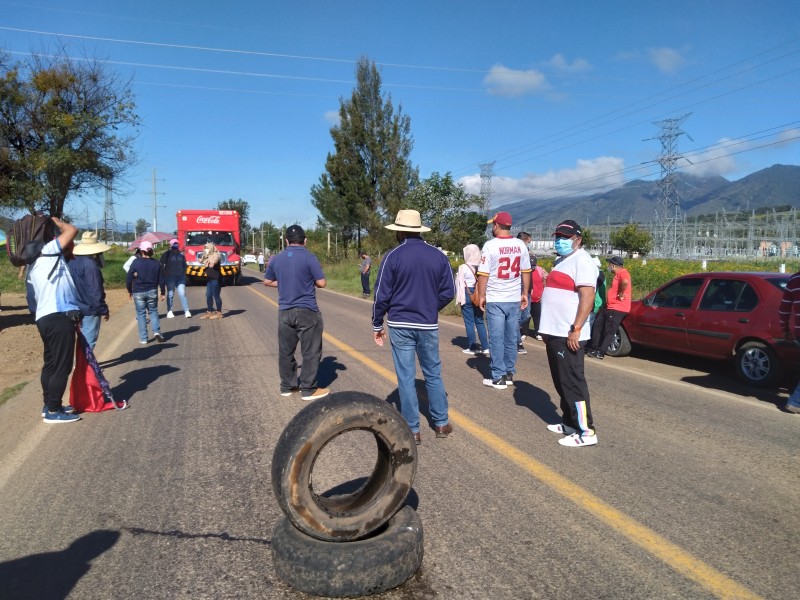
<point>500,384</point>
<point>576,440</point>
<point>522,338</point>
<point>470,351</point>
<point>316,395</point>
<point>561,428</point>
<point>538,337</point>
<point>170,315</point>
<point>188,314</point>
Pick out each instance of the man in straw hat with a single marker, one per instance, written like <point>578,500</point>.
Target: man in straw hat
<point>85,266</point>
<point>414,283</point>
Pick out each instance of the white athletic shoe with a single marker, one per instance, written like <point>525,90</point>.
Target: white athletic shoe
<point>188,314</point>
<point>170,315</point>
<point>576,440</point>
<point>561,428</point>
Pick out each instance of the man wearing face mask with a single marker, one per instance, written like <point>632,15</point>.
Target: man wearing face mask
<point>567,301</point>
<point>618,304</point>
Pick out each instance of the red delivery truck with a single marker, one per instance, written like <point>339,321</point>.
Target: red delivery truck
<point>221,227</point>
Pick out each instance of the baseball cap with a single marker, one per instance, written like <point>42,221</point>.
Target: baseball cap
<point>615,260</point>
<point>501,218</point>
<point>568,228</point>
<point>173,242</point>
<point>295,232</point>
<point>145,246</point>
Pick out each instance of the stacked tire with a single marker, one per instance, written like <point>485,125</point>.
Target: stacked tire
<point>351,544</point>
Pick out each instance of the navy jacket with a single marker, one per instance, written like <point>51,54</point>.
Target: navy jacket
<point>144,275</point>
<point>414,283</point>
<point>88,280</point>
<point>174,263</point>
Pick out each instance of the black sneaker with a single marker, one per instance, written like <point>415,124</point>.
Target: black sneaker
<point>498,384</point>
<point>521,349</point>
<point>509,379</point>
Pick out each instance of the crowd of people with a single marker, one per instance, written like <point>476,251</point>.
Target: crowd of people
<point>505,297</point>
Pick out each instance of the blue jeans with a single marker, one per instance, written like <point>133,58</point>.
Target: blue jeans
<point>424,343</point>
<point>176,282</point>
<point>473,319</point>
<point>213,295</point>
<point>90,327</point>
<point>794,398</point>
<point>502,319</point>
<point>146,302</point>
<point>524,320</point>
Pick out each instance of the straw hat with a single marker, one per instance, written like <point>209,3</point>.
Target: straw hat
<point>89,245</point>
<point>408,220</point>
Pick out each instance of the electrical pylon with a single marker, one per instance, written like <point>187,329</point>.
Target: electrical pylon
<point>109,218</point>
<point>668,239</point>
<point>487,171</point>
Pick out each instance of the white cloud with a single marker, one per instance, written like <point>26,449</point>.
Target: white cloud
<point>332,117</point>
<point>587,177</point>
<point>502,81</point>
<point>666,60</point>
<point>721,158</point>
<point>560,63</point>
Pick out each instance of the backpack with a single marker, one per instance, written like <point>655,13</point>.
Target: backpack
<point>27,237</point>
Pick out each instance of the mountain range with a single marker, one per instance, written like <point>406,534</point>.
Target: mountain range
<point>775,186</point>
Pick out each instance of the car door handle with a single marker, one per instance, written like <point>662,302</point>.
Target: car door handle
<point>744,320</point>
<point>679,314</point>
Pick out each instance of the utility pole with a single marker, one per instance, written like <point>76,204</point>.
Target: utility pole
<point>155,204</point>
<point>109,219</point>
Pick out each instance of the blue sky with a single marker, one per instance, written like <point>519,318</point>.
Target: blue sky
<point>237,98</point>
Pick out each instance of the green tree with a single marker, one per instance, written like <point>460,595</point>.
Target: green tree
<point>632,238</point>
<point>588,238</point>
<point>66,127</point>
<point>449,211</point>
<point>243,208</point>
<point>369,172</point>
<point>140,227</point>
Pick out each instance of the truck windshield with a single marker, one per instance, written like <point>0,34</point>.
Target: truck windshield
<point>218,238</point>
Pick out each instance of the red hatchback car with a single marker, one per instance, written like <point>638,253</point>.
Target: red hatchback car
<point>716,315</point>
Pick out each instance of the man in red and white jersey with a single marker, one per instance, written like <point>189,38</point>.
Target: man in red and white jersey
<point>567,301</point>
<point>504,283</point>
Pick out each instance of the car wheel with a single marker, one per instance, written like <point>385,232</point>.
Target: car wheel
<point>335,569</point>
<point>339,518</point>
<point>620,344</point>
<point>757,364</point>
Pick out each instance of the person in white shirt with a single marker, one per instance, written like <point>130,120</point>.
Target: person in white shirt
<point>57,315</point>
<point>567,301</point>
<point>505,263</point>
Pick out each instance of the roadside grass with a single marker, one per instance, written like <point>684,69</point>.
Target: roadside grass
<point>12,391</point>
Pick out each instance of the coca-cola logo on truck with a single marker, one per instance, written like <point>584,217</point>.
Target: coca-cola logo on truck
<point>209,220</point>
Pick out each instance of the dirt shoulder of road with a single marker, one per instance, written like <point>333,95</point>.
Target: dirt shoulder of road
<point>21,342</point>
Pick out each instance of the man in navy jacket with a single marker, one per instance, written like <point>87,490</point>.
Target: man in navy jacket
<point>414,283</point>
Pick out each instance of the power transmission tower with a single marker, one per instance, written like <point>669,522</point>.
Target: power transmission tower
<point>486,185</point>
<point>109,218</point>
<point>668,240</point>
<point>155,205</point>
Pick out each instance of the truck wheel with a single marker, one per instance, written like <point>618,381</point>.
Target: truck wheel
<point>344,569</point>
<point>347,516</point>
<point>757,364</point>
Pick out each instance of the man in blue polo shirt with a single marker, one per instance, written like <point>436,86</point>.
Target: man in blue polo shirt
<point>414,283</point>
<point>296,273</point>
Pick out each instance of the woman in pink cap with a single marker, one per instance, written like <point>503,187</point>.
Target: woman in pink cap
<point>174,264</point>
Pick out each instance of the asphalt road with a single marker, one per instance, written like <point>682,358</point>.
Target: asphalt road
<point>692,491</point>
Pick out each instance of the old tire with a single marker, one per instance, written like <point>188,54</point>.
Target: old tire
<point>347,516</point>
<point>344,569</point>
<point>757,364</point>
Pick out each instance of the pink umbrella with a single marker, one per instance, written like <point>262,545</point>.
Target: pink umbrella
<point>153,237</point>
